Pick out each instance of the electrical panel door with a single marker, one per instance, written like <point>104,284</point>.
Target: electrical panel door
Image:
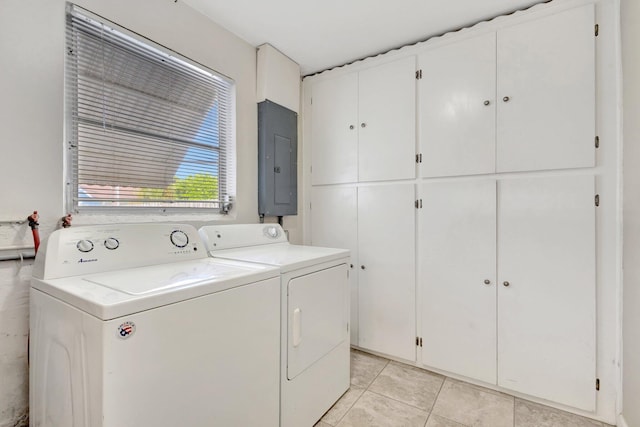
<point>277,160</point>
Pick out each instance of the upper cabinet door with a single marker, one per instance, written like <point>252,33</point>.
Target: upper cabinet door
<point>334,132</point>
<point>387,121</point>
<point>457,108</point>
<point>546,93</point>
<point>547,288</point>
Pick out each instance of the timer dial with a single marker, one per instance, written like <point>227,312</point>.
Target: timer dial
<point>271,232</point>
<point>179,238</point>
<point>85,245</point>
<point>111,243</point>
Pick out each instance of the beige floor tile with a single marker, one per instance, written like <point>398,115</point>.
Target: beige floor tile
<point>410,385</point>
<point>365,368</point>
<point>474,406</point>
<point>373,410</point>
<point>529,414</point>
<point>337,411</point>
<point>438,421</point>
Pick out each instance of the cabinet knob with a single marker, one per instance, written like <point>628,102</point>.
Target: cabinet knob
<point>350,265</point>
<point>487,281</point>
<point>505,284</point>
<point>351,127</point>
<point>362,267</point>
<point>487,102</point>
<point>506,99</point>
<point>363,125</point>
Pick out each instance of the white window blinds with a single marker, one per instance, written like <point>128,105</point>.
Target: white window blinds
<point>145,128</point>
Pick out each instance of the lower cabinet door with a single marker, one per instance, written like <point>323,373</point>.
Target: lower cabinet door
<point>457,266</point>
<point>334,224</point>
<point>546,290</point>
<point>386,251</point>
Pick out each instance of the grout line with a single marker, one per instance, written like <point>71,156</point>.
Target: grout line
<point>399,401</point>
<point>378,374</point>
<point>438,394</point>
<point>350,407</point>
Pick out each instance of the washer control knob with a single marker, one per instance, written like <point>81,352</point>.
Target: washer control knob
<point>179,238</point>
<point>85,245</point>
<point>111,243</point>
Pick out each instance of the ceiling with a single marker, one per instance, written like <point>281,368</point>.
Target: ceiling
<point>324,34</point>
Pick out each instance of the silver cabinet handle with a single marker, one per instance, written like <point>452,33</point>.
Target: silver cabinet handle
<point>362,267</point>
<point>487,102</point>
<point>363,125</point>
<point>505,284</point>
<point>351,127</point>
<point>487,281</point>
<point>506,99</point>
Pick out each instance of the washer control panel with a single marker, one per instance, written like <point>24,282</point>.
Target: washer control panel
<point>100,248</point>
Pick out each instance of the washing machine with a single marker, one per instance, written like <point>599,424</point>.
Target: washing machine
<point>136,326</point>
<point>315,314</point>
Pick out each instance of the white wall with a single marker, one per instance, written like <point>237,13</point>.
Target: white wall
<point>32,145</point>
<point>630,14</point>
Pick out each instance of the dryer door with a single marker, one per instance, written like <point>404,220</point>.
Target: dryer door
<point>318,312</point>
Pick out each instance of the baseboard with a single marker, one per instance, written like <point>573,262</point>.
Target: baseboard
<point>621,422</point>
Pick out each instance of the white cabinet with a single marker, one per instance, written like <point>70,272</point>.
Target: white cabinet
<point>546,93</point>
<point>363,125</point>
<point>334,136</point>
<point>543,301</point>
<point>377,223</point>
<point>457,261</point>
<point>547,313</point>
<point>457,108</point>
<point>386,258</point>
<point>334,223</point>
<point>519,99</point>
<point>505,262</point>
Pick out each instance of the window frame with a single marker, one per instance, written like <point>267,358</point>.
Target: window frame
<point>226,169</point>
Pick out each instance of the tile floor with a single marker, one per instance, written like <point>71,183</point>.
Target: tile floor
<point>384,393</point>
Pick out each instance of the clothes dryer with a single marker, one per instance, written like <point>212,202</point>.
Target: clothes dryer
<point>315,314</point>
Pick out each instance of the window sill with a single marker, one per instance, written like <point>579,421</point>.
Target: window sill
<point>92,218</point>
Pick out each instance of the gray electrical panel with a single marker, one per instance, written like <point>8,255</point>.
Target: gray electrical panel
<point>277,160</point>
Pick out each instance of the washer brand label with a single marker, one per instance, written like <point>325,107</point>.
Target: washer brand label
<point>87,260</point>
<point>126,330</point>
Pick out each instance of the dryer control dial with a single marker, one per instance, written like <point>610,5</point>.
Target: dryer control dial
<point>111,243</point>
<point>85,245</point>
<point>272,232</point>
<point>179,238</point>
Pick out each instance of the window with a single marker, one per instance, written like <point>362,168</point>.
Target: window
<point>146,128</point>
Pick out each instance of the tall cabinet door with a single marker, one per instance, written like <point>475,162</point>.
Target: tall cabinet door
<point>546,291</point>
<point>457,265</point>
<point>386,247</point>
<point>334,224</point>
<point>334,132</point>
<point>457,108</point>
<point>387,121</point>
<point>546,93</point>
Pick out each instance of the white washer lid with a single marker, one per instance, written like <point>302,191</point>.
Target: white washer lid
<point>284,255</point>
<point>119,293</point>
